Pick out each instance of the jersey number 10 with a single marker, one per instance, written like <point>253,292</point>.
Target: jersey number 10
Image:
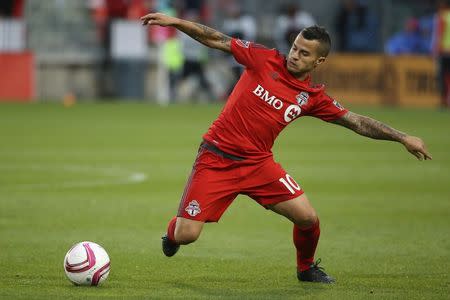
<point>290,183</point>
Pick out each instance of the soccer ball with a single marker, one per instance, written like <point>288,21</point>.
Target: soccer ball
<point>86,263</point>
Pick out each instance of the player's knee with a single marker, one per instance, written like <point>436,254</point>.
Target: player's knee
<point>313,218</point>
<point>307,219</point>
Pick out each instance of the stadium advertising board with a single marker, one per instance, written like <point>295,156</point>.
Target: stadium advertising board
<point>374,79</point>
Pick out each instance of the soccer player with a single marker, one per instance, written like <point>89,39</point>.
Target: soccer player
<point>235,156</point>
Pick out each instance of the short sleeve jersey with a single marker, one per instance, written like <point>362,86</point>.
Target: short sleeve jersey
<point>264,101</point>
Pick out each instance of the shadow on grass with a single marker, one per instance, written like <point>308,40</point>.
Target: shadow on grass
<point>204,288</point>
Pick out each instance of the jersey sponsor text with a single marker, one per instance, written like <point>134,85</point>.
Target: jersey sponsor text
<point>263,94</point>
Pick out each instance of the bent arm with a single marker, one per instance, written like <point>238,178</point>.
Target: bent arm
<point>201,33</point>
<point>376,130</point>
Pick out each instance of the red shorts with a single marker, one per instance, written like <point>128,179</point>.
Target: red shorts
<point>216,181</point>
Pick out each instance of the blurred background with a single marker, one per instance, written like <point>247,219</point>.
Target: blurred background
<point>385,52</point>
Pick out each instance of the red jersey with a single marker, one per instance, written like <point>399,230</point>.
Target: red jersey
<point>264,101</point>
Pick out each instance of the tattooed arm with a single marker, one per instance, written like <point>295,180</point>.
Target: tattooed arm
<point>376,130</point>
<point>204,34</point>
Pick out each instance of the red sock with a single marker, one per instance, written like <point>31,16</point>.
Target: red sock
<point>171,229</point>
<point>305,241</point>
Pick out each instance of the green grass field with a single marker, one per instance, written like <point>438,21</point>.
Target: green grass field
<point>113,173</point>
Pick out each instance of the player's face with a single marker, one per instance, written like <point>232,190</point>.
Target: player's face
<point>303,57</point>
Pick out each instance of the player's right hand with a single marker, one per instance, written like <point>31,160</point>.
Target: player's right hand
<point>158,19</point>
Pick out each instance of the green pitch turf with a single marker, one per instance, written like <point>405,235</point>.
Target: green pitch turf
<point>114,173</point>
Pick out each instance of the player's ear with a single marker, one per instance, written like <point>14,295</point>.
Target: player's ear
<point>320,60</point>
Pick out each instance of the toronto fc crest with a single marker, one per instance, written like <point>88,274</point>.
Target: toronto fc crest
<point>302,98</point>
<point>243,43</point>
<point>193,208</point>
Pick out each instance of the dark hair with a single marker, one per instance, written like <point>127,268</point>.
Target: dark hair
<point>320,34</point>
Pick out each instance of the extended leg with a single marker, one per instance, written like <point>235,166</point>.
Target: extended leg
<point>306,234</point>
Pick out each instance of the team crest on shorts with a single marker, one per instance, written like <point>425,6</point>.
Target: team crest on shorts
<point>243,43</point>
<point>302,98</point>
<point>193,208</point>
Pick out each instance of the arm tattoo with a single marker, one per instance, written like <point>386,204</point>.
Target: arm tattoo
<point>206,35</point>
<point>225,39</point>
<point>204,32</point>
<point>369,127</point>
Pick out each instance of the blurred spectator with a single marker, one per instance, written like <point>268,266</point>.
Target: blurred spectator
<point>195,58</point>
<point>136,9</point>
<point>411,40</point>
<point>239,25</point>
<point>6,8</point>
<point>12,27</point>
<point>11,8</point>
<point>173,60</point>
<point>426,24</point>
<point>105,13</point>
<point>356,27</point>
<point>201,7</point>
<point>441,48</point>
<point>170,52</point>
<point>287,26</point>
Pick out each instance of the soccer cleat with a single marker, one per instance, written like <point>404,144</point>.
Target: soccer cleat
<point>168,247</point>
<point>315,274</point>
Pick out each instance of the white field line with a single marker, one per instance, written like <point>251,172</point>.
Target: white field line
<point>114,176</point>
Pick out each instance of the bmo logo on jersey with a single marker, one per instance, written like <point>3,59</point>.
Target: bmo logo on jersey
<point>263,94</point>
<point>291,112</point>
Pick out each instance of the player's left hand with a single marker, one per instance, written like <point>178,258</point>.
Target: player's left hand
<point>416,147</point>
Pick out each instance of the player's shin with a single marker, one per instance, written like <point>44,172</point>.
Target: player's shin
<point>169,246</point>
<point>171,229</point>
<point>305,241</point>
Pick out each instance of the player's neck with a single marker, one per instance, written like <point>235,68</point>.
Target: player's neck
<point>301,76</point>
